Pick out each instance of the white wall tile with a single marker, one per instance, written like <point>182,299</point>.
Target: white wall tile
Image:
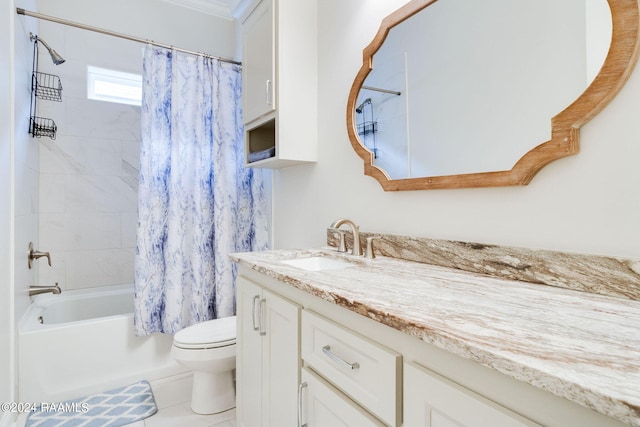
<point>52,193</point>
<point>89,193</point>
<point>74,232</point>
<point>129,226</point>
<point>99,268</point>
<point>99,119</point>
<point>82,156</point>
<point>57,272</point>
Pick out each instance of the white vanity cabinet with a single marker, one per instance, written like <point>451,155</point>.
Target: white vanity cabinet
<point>303,356</point>
<point>369,373</point>
<point>322,405</point>
<point>268,358</point>
<point>431,400</point>
<point>280,83</point>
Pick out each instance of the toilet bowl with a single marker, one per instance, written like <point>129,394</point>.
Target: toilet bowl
<point>209,350</point>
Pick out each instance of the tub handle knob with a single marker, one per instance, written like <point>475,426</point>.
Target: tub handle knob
<point>35,254</point>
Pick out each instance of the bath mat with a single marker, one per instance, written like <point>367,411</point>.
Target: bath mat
<point>114,408</point>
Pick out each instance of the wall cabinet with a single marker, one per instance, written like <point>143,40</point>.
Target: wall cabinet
<point>280,83</point>
<point>258,62</point>
<point>268,357</point>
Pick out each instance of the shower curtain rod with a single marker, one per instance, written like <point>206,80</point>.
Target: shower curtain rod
<point>377,89</point>
<point>21,11</point>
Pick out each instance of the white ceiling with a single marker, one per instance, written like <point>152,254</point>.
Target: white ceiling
<point>221,8</point>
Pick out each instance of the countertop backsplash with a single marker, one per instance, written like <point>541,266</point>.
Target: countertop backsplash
<point>602,275</point>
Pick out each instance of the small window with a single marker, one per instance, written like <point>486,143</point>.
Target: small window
<point>114,86</point>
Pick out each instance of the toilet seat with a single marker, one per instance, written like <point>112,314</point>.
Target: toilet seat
<point>209,334</point>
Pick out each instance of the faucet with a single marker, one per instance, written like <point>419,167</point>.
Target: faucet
<point>35,254</point>
<point>355,250</point>
<point>35,290</point>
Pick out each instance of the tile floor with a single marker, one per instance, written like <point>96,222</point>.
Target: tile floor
<point>173,398</point>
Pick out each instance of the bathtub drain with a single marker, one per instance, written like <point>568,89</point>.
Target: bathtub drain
<point>40,320</point>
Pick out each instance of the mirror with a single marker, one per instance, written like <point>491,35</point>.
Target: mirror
<point>445,98</point>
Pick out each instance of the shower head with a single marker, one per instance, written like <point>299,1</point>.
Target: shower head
<point>360,107</point>
<point>55,56</point>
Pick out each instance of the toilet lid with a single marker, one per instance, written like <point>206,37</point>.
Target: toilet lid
<point>208,334</point>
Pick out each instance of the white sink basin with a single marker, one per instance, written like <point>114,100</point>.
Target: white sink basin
<point>317,263</point>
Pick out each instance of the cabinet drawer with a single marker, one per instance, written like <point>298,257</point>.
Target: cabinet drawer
<point>324,406</point>
<point>366,371</point>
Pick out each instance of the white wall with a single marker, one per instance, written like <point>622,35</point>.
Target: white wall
<point>25,163</point>
<point>7,336</point>
<point>18,186</point>
<point>587,203</point>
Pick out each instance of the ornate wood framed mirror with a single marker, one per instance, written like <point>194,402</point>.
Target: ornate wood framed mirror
<point>426,107</point>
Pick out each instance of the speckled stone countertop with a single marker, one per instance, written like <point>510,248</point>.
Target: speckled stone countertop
<point>580,346</point>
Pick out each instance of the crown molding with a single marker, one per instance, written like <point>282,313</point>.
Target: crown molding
<point>219,8</point>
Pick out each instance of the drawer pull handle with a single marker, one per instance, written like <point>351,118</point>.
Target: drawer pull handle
<point>339,360</point>
<point>253,313</point>
<point>300,388</point>
<point>263,330</point>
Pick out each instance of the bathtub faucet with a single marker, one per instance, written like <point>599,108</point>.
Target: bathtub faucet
<point>35,254</point>
<point>35,290</point>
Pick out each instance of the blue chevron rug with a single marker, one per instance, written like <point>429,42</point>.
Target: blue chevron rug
<point>114,408</point>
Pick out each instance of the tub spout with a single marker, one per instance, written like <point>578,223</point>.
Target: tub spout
<point>35,290</point>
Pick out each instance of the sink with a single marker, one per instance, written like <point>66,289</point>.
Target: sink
<point>317,263</point>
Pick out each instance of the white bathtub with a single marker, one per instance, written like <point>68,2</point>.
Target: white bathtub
<point>81,342</point>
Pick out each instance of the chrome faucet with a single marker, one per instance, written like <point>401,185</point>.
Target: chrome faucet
<point>36,290</point>
<point>355,250</point>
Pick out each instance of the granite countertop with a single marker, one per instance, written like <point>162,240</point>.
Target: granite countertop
<point>580,346</point>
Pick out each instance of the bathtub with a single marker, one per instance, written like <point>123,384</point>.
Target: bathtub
<point>81,342</point>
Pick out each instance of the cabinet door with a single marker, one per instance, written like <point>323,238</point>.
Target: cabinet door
<point>281,361</point>
<point>249,355</point>
<point>433,401</point>
<point>324,406</point>
<point>259,95</point>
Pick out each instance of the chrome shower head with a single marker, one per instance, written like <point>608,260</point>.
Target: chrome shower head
<point>360,107</point>
<point>55,56</point>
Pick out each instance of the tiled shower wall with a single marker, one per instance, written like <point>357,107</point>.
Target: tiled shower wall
<point>88,174</point>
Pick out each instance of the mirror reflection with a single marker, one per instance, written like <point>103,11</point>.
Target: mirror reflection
<point>459,89</point>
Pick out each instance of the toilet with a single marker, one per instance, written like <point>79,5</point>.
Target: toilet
<point>209,350</point>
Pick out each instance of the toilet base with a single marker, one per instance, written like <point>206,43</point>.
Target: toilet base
<point>212,392</point>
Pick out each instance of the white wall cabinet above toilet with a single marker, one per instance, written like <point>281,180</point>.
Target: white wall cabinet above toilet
<point>268,361</point>
<point>280,77</point>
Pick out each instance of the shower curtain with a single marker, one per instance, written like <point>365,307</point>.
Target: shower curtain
<point>196,201</point>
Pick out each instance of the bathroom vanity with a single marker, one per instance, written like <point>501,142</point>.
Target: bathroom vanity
<point>329,339</point>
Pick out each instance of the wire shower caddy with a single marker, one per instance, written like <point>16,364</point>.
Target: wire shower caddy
<point>47,87</point>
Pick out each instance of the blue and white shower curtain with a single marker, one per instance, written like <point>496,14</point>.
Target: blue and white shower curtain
<point>196,201</point>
